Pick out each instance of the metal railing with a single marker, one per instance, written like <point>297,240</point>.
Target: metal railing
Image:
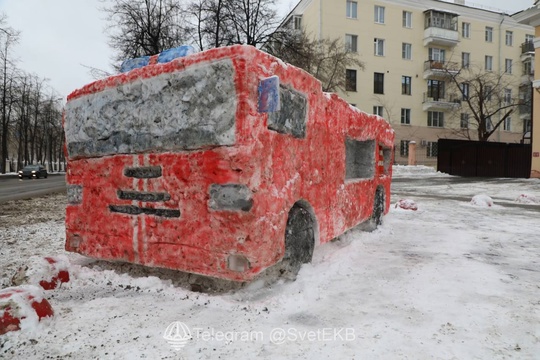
<point>524,107</point>
<point>437,98</point>
<point>442,66</point>
<point>527,47</point>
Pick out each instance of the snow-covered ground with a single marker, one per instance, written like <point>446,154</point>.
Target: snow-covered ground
<point>449,281</point>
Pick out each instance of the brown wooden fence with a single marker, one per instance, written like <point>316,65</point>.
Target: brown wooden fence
<point>484,159</point>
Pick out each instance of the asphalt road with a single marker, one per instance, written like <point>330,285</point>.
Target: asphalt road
<point>12,188</point>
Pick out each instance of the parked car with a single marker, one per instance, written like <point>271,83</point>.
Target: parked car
<point>33,172</point>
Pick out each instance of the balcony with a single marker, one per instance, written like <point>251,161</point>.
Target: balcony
<point>527,51</point>
<point>527,79</point>
<point>527,47</point>
<point>440,28</point>
<point>448,102</point>
<point>440,69</point>
<point>524,109</point>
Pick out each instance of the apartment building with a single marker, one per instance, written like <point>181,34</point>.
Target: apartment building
<point>411,49</point>
<point>531,17</point>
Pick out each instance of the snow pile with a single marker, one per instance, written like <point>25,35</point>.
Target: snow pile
<point>417,170</point>
<point>451,284</point>
<point>527,199</point>
<point>482,201</point>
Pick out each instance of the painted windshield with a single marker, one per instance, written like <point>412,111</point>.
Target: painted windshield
<point>178,111</point>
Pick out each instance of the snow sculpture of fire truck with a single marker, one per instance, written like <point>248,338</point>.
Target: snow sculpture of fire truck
<point>222,163</point>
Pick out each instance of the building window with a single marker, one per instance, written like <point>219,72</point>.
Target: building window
<point>406,51</point>
<point>378,83</point>
<point>297,22</point>
<point>378,110</point>
<point>526,125</point>
<point>529,38</point>
<point>378,46</point>
<point>487,92</point>
<point>466,30</point>
<point>379,14</point>
<point>507,124</point>
<point>465,60</point>
<point>352,9</point>
<point>350,80</point>
<point>407,19</point>
<point>432,149</point>
<point>406,85</point>
<point>509,39</point>
<point>525,95</point>
<point>440,19</point>
<point>351,42</point>
<point>405,116</point>
<point>489,34</point>
<point>435,119</point>
<point>527,67</point>
<point>437,54</point>
<point>464,121</point>
<point>489,124</point>
<point>465,91</point>
<point>435,89</point>
<point>508,66</point>
<point>507,98</point>
<point>488,63</point>
<point>404,148</point>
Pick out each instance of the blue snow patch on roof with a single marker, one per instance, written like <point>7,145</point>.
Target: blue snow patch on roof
<point>163,57</point>
<point>131,64</point>
<point>177,52</point>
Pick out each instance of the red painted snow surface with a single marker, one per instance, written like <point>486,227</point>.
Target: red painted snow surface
<point>407,204</point>
<point>47,272</point>
<point>17,303</point>
<point>59,275</point>
<point>280,170</point>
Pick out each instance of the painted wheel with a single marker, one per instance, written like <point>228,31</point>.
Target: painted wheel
<point>299,241</point>
<point>376,218</point>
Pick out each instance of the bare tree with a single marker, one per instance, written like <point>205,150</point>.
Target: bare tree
<point>9,37</point>
<point>216,23</point>
<point>210,23</point>
<point>37,122</point>
<point>24,117</point>
<point>388,108</point>
<point>488,99</point>
<point>253,21</point>
<point>97,73</point>
<point>326,59</point>
<point>144,27</point>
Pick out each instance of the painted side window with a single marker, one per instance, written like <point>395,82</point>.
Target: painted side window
<point>360,159</point>
<point>292,117</point>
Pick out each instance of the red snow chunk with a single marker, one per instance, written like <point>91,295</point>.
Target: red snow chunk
<point>47,272</point>
<point>527,199</point>
<point>22,303</point>
<point>407,204</point>
<point>60,275</point>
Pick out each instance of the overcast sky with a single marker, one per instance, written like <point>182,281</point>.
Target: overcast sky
<point>60,37</point>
